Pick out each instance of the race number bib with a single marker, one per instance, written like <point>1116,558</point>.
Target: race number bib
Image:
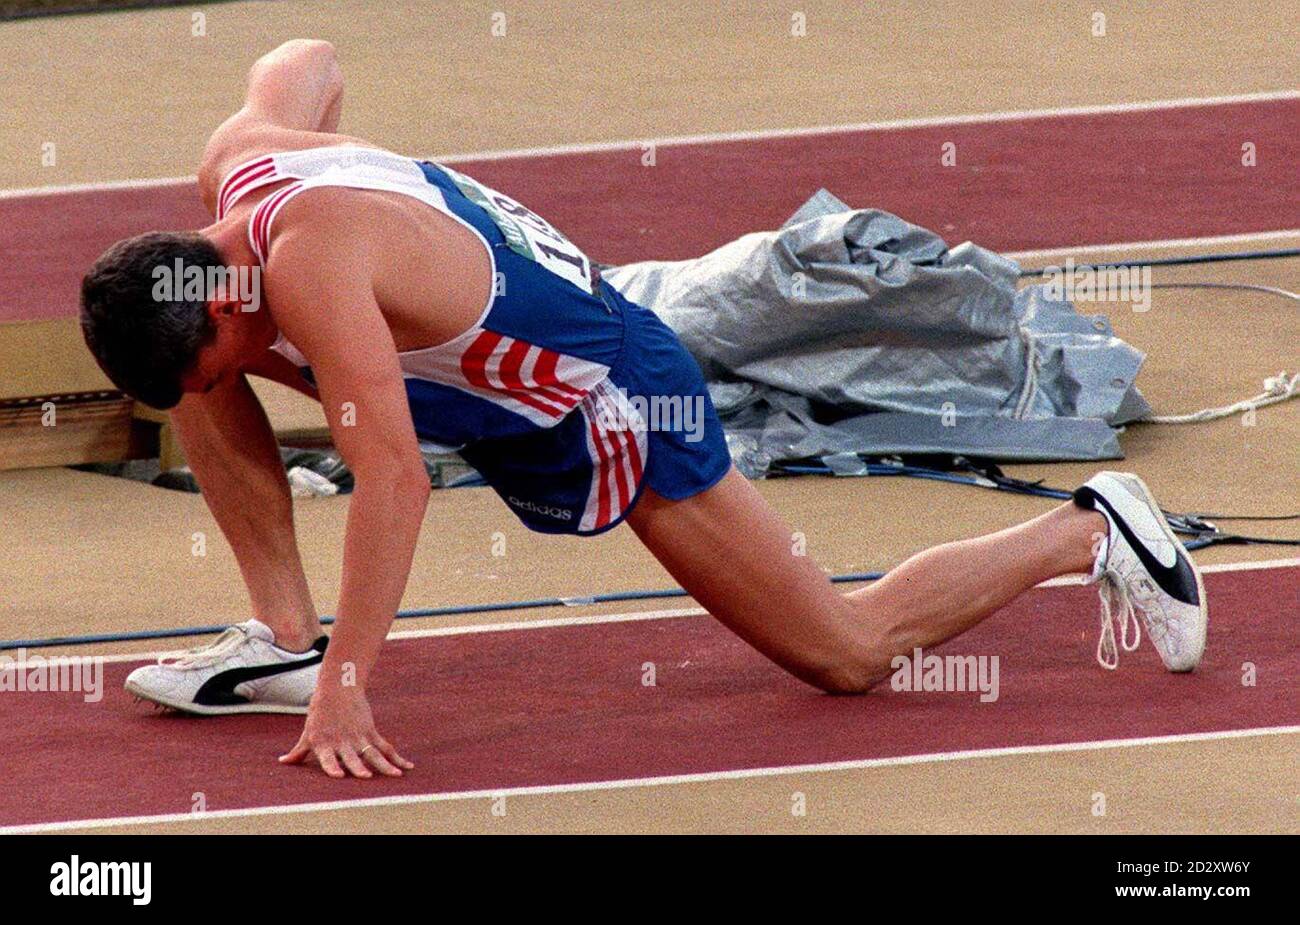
<point>527,233</point>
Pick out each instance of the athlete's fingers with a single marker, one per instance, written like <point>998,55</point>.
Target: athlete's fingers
<point>376,759</point>
<point>328,763</point>
<point>297,753</point>
<point>391,753</point>
<point>353,762</point>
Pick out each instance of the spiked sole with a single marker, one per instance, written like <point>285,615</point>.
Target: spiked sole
<point>199,709</point>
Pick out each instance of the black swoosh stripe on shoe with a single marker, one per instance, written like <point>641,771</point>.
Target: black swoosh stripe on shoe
<point>219,690</point>
<point>1177,580</point>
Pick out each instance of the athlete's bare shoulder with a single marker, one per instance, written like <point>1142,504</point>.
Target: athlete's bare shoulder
<point>430,276</point>
<point>241,140</point>
<point>325,220</point>
<point>294,102</point>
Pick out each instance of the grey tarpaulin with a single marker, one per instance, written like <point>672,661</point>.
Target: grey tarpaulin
<point>853,331</point>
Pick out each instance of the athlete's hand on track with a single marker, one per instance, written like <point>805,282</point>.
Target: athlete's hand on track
<point>340,733</point>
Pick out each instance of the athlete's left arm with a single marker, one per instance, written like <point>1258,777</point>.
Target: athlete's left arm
<point>295,93</point>
<point>298,85</point>
<point>320,290</point>
<point>294,89</point>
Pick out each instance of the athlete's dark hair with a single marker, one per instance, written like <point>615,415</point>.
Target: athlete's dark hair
<point>145,336</point>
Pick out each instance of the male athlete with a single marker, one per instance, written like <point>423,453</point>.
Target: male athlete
<point>416,303</point>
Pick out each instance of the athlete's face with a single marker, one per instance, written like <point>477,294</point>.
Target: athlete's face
<point>239,337</point>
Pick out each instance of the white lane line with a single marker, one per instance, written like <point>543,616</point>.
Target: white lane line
<point>1251,566</point>
<point>625,617</point>
<point>888,125</point>
<point>1244,238</point>
<point>32,192</point>
<point>1010,115</point>
<point>635,615</point>
<point>667,780</point>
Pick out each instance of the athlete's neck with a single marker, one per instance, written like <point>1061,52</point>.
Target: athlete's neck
<point>230,237</point>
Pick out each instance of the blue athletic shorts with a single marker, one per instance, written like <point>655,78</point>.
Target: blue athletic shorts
<point>550,478</point>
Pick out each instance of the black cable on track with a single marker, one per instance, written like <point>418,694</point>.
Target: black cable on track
<point>1173,261</point>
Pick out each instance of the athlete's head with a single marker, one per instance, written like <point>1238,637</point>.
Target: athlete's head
<point>164,314</point>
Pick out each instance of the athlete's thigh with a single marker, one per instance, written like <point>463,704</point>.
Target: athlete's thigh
<point>734,554</point>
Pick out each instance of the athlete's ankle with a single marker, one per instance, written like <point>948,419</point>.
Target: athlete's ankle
<point>296,635</point>
<point>1084,533</point>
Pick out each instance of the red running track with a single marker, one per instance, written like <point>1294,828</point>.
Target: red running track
<point>488,711</point>
<point>1017,185</point>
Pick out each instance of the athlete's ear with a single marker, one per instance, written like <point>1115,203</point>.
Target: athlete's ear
<point>221,310</point>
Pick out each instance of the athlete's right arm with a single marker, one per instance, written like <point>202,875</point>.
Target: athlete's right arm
<point>231,448</point>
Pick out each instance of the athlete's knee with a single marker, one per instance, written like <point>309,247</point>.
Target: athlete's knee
<point>850,672</point>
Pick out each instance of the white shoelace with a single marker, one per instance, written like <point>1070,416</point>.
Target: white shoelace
<point>232,638</point>
<point>1113,590</point>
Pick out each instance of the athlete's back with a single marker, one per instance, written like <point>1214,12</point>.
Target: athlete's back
<point>432,276</point>
<point>510,346</point>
